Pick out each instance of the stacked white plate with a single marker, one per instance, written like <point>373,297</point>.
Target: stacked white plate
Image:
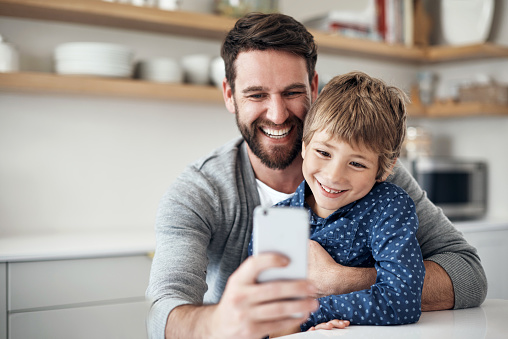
<point>94,58</point>
<point>165,70</point>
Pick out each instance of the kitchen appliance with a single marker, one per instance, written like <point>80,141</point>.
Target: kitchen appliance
<point>458,186</point>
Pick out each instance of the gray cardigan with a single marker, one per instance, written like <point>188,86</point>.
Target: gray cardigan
<point>204,225</point>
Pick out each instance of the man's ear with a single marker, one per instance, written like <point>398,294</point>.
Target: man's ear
<point>314,87</point>
<point>229,98</point>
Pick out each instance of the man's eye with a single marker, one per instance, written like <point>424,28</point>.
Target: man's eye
<point>256,96</point>
<point>293,93</point>
<point>357,164</point>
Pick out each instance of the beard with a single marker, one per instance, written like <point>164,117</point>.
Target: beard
<point>276,157</point>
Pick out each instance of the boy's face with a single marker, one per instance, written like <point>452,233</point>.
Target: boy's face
<point>336,172</point>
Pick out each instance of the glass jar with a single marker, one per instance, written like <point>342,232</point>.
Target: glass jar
<point>238,8</point>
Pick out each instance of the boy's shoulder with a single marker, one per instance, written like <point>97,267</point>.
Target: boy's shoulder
<point>386,190</point>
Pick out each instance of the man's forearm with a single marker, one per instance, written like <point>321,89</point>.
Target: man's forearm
<point>189,321</point>
<point>437,291</point>
<point>352,279</point>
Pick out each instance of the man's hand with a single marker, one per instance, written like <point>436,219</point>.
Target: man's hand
<point>331,278</point>
<point>247,309</point>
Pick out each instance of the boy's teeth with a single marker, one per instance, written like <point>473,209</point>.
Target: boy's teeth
<point>329,190</point>
<point>276,133</point>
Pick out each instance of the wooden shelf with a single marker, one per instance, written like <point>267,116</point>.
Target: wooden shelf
<point>198,25</point>
<point>207,26</point>
<point>111,87</point>
<point>97,12</point>
<point>131,88</point>
<point>468,52</point>
<point>450,110</point>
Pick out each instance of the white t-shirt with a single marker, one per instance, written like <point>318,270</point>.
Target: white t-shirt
<point>269,196</point>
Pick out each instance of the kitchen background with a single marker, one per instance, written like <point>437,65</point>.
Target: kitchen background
<point>72,162</point>
<point>81,175</point>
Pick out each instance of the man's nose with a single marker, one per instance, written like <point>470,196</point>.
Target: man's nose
<point>277,110</point>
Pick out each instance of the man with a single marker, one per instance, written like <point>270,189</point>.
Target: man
<point>204,221</point>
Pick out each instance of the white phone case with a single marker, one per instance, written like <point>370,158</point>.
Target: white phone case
<point>282,230</point>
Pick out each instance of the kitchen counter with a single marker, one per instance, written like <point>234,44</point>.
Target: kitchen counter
<point>481,225</point>
<point>76,245</point>
<point>485,322</point>
<point>115,243</point>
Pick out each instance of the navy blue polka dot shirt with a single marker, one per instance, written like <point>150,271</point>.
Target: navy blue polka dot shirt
<point>378,230</point>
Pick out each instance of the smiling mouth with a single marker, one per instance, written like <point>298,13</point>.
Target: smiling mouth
<point>276,133</point>
<point>329,190</point>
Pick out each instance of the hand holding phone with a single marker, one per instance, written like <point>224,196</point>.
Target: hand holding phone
<point>283,230</point>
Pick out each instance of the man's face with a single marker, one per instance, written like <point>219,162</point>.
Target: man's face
<point>272,96</point>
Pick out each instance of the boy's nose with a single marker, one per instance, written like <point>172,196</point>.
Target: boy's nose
<point>336,172</point>
<point>277,111</point>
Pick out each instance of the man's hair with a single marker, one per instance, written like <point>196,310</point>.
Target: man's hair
<point>361,111</point>
<point>258,31</point>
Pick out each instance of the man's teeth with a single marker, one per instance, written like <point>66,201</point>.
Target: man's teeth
<point>276,133</point>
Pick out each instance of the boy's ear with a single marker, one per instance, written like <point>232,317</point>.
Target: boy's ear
<point>388,172</point>
<point>303,150</point>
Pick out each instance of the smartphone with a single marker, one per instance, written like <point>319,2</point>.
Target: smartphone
<point>283,230</point>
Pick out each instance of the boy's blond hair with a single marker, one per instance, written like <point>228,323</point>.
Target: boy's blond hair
<point>361,111</point>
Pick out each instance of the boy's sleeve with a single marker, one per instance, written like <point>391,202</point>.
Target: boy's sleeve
<point>395,298</point>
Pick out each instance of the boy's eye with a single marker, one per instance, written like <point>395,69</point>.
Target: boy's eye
<point>323,153</point>
<point>357,164</point>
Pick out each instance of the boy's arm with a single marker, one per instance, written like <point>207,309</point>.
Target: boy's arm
<point>395,298</point>
<point>331,278</point>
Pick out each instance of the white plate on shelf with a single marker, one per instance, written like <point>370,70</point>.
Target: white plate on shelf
<point>466,22</point>
<point>94,58</point>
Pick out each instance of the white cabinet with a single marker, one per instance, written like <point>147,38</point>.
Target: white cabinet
<point>3,301</point>
<point>77,298</point>
<point>492,246</point>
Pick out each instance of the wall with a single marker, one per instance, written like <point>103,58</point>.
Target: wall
<point>72,163</point>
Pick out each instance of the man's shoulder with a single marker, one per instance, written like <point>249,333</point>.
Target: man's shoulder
<point>221,160</point>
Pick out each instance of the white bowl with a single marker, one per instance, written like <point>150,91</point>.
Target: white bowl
<point>197,68</point>
<point>466,22</point>
<point>165,70</point>
<point>217,71</point>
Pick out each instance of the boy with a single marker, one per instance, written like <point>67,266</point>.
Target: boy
<point>352,137</point>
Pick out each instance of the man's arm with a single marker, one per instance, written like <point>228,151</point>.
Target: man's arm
<point>246,309</point>
<point>437,288</point>
<point>444,245</point>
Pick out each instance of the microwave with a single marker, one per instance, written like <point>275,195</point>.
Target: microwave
<point>458,186</point>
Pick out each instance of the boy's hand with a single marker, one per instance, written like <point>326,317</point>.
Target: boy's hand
<point>335,323</point>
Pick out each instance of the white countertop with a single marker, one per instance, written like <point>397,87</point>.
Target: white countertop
<point>488,321</point>
<point>481,225</point>
<point>114,243</point>
<point>75,245</point>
